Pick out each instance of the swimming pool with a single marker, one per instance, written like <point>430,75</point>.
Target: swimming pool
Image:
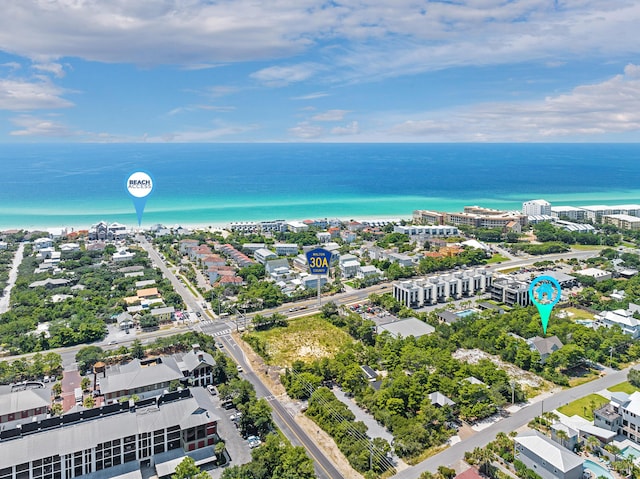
<point>597,469</point>
<point>466,312</point>
<point>630,451</point>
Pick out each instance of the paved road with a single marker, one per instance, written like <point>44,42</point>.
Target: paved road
<point>283,419</point>
<point>194,304</point>
<point>456,452</point>
<point>13,275</point>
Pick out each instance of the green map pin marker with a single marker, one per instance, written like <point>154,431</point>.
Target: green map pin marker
<point>544,292</point>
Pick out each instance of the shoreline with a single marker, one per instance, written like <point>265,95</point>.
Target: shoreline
<point>217,226</point>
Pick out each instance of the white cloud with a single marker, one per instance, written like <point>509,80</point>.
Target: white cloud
<point>55,68</point>
<point>330,115</point>
<point>353,40</point>
<point>21,95</point>
<point>11,66</point>
<point>306,131</point>
<point>586,112</point>
<point>351,129</point>
<point>190,108</point>
<point>278,76</point>
<point>311,96</point>
<point>33,126</point>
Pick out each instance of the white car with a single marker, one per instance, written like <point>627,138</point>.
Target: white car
<point>212,390</point>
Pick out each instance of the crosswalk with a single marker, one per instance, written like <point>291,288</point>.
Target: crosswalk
<point>221,333</point>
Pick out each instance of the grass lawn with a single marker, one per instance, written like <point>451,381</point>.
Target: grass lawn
<point>575,313</point>
<point>625,387</point>
<point>588,247</point>
<point>496,258</point>
<point>583,406</point>
<point>509,270</point>
<point>304,339</point>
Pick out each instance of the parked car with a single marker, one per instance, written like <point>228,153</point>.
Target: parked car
<point>212,390</point>
<point>254,441</point>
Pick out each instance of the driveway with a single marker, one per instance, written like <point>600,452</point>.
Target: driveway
<point>70,381</point>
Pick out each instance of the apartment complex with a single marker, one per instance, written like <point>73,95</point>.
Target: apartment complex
<point>438,288</point>
<point>536,208</point>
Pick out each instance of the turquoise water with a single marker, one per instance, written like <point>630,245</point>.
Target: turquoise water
<point>466,312</point>
<point>630,451</point>
<point>80,184</point>
<point>597,469</point>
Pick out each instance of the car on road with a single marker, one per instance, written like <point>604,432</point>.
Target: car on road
<point>239,368</point>
<point>198,314</point>
<point>212,390</point>
<point>113,342</point>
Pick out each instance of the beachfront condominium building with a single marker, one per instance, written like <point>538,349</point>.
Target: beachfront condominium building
<point>478,217</point>
<point>426,217</point>
<point>568,212</point>
<point>427,231</point>
<point>438,288</point>
<point>536,208</point>
<point>622,221</point>
<point>115,440</point>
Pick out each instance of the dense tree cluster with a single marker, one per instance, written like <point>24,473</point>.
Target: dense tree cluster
<point>33,369</point>
<point>82,316</point>
<point>274,459</point>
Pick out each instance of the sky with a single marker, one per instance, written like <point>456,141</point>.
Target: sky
<point>319,71</point>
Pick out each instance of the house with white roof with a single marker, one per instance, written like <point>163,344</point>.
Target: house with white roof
<point>368,272</point>
<point>546,458</point>
<point>349,265</point>
<point>41,243</point>
<point>286,249</point>
<point>263,255</point>
<point>123,255</point>
<point>622,318</point>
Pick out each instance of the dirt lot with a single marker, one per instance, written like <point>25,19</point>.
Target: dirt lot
<point>528,381</point>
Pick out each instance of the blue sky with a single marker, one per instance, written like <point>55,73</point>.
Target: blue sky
<point>319,71</point>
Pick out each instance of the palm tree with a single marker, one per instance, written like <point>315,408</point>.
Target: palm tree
<point>593,443</point>
<point>563,436</point>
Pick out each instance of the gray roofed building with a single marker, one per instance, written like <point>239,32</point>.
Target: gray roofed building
<point>547,459</point>
<point>448,317</point>
<point>440,400</point>
<point>24,404</point>
<point>182,423</point>
<point>144,379</point>
<point>407,327</point>
<point>50,283</point>
<point>272,265</point>
<point>544,346</point>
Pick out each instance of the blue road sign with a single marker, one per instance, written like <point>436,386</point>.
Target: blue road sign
<point>319,260</point>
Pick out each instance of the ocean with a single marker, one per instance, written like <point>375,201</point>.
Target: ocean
<point>76,185</point>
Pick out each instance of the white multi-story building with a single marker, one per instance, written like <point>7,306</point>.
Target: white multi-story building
<point>622,318</point>
<point>622,221</point>
<point>536,208</point>
<point>570,212</point>
<point>263,255</point>
<point>546,458</point>
<point>436,289</point>
<point>349,265</point>
<point>286,249</point>
<point>433,231</point>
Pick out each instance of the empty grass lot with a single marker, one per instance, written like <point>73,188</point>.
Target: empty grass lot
<point>625,387</point>
<point>583,406</point>
<point>304,339</point>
